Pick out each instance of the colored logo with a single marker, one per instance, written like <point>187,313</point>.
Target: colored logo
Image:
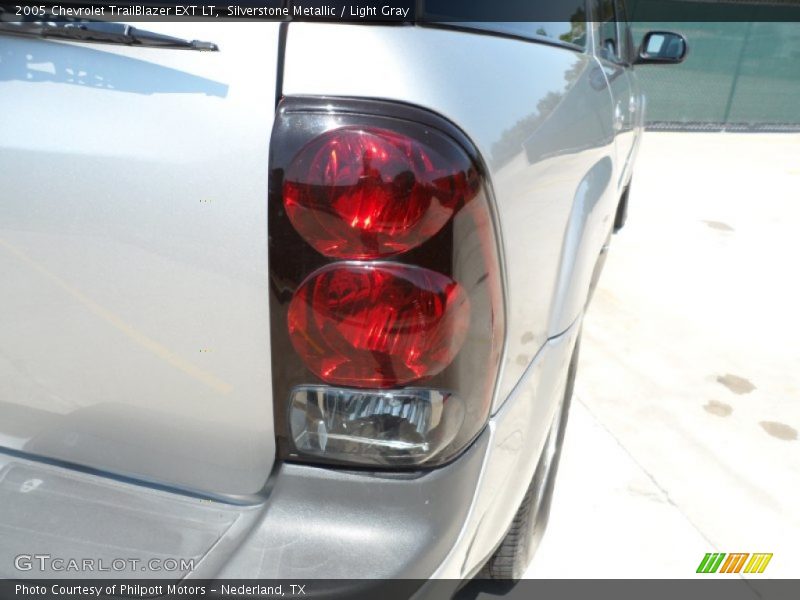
<point>718,563</point>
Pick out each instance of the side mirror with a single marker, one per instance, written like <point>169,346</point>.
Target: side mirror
<point>662,47</point>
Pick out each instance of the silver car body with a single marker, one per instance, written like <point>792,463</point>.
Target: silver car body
<point>134,326</point>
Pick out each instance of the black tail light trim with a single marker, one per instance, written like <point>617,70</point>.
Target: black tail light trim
<point>468,249</point>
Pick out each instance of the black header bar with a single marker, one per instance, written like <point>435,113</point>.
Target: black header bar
<point>401,11</point>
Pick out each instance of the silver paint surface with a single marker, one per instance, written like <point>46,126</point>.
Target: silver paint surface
<point>133,320</point>
<point>134,333</point>
<point>556,128</point>
<point>540,115</point>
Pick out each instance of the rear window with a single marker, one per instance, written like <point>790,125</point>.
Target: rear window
<point>566,18</point>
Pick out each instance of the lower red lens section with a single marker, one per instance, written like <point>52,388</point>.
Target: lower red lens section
<point>378,325</point>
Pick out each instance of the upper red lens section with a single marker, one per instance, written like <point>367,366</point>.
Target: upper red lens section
<point>367,192</point>
<point>378,325</point>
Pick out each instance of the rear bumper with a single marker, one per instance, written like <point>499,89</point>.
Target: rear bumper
<point>324,523</point>
<point>315,523</point>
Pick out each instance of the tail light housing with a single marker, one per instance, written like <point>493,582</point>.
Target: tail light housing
<point>386,304</point>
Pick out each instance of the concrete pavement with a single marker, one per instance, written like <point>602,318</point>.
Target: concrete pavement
<point>683,438</point>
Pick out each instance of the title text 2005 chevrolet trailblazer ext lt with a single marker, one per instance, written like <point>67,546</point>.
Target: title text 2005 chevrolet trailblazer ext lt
<point>308,305</point>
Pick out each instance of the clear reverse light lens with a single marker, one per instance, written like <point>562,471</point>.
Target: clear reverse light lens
<point>384,427</point>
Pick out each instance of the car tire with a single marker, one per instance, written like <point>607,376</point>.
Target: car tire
<point>512,557</point>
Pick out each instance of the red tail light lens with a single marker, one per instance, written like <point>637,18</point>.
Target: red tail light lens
<point>378,325</point>
<point>386,300</point>
<point>368,192</point>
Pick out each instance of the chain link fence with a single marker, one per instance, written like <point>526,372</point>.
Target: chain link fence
<point>742,72</point>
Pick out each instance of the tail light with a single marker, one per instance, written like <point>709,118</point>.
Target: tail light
<point>360,192</point>
<point>378,324</point>
<point>385,292</point>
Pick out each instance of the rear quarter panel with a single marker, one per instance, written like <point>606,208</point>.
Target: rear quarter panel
<point>541,117</point>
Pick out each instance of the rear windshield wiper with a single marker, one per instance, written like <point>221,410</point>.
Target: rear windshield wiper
<point>104,32</point>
